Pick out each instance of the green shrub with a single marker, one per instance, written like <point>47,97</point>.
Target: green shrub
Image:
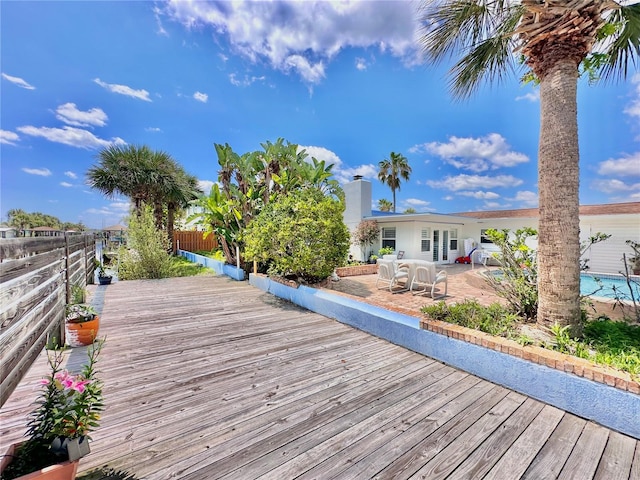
<point>494,319</point>
<point>146,254</point>
<point>301,235</point>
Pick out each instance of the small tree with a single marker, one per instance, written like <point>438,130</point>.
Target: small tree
<point>300,234</point>
<point>365,234</point>
<point>146,254</point>
<point>518,284</point>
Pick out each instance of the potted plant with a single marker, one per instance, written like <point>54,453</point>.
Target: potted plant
<point>81,323</point>
<point>68,408</point>
<point>634,260</point>
<point>103,278</point>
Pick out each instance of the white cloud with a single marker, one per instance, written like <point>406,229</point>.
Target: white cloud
<point>246,81</point>
<point>474,154</point>
<point>526,198</point>
<point>75,137</point>
<point>124,90</point>
<point>480,195</point>
<point>341,173</point>
<point>633,109</point>
<point>531,96</point>
<point>42,172</point>
<point>152,129</point>
<point>417,204</point>
<point>8,138</point>
<point>627,166</point>
<point>160,31</point>
<point>71,175</point>
<point>69,114</point>
<point>121,206</point>
<point>361,63</point>
<point>18,81</point>
<point>304,37</point>
<point>473,182</point>
<point>205,186</point>
<point>201,97</point>
<point>66,184</point>
<point>615,186</point>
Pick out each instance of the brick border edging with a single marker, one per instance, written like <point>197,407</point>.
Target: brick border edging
<point>356,270</point>
<point>541,356</point>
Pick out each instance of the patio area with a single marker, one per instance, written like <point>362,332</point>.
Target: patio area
<point>463,283</point>
<point>210,378</point>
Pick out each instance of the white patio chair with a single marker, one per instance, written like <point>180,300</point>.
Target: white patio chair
<point>427,278</point>
<point>397,280</point>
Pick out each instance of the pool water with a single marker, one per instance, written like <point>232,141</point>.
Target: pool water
<point>609,286</point>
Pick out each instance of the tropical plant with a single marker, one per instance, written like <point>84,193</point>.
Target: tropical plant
<point>301,234</point>
<point>365,234</point>
<point>249,182</point>
<point>384,205</point>
<point>68,408</point>
<point>392,171</point>
<point>409,210</point>
<point>556,40</point>
<point>146,254</point>
<point>518,279</point>
<point>21,220</point>
<point>386,251</point>
<point>146,176</point>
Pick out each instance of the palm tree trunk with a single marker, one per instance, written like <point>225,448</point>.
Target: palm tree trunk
<point>393,190</point>
<point>558,182</point>
<point>170,221</point>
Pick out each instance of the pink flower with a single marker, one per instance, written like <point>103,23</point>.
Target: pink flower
<point>79,386</point>
<point>45,381</point>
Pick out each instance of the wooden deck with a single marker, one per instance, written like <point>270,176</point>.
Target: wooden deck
<point>208,378</point>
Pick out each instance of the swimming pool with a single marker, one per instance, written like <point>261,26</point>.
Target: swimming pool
<point>610,286</point>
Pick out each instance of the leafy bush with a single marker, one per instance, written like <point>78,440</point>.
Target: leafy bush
<point>365,234</point>
<point>518,284</point>
<point>385,251</point>
<point>146,254</point>
<point>494,319</point>
<point>301,234</point>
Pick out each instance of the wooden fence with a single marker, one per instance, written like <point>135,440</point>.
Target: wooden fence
<point>36,275</point>
<point>192,241</point>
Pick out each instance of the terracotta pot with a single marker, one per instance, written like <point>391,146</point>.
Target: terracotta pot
<point>82,334</point>
<point>60,471</point>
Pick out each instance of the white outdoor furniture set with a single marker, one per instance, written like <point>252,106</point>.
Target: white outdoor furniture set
<point>417,276</point>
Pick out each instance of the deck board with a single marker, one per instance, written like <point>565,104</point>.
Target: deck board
<point>210,378</point>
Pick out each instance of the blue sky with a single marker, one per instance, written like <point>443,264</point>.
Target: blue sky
<point>344,80</point>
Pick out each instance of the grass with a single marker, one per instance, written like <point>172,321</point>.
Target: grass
<point>181,267</point>
<point>604,341</point>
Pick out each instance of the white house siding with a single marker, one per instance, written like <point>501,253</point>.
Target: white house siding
<point>606,257</point>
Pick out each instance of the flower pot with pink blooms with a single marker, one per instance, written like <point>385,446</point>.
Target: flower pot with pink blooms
<point>69,407</point>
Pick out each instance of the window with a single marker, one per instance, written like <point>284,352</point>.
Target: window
<point>389,237</point>
<point>425,240</point>
<point>453,239</point>
<point>483,236</point>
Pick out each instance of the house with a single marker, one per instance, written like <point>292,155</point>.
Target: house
<point>43,232</point>
<point>8,232</point>
<point>442,238</point>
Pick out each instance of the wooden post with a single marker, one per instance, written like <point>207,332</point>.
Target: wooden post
<point>255,267</point>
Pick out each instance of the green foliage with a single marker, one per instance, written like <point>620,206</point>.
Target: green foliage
<point>385,205</point>
<point>494,319</point>
<point>21,220</point>
<point>146,253</point>
<point>78,293</point>
<point>365,234</point>
<point>392,171</point>
<point>301,234</point>
<point>250,181</point>
<point>586,245</point>
<point>181,267</point>
<point>518,282</point>
<point>385,251</point>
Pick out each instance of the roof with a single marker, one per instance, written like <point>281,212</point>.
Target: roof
<point>604,209</point>
<point>115,228</point>
<point>44,229</point>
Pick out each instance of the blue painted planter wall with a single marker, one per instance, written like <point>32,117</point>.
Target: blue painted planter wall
<point>601,403</point>
<point>217,266</point>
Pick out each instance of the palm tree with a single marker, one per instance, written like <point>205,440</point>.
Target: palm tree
<point>384,205</point>
<point>555,38</point>
<point>392,171</point>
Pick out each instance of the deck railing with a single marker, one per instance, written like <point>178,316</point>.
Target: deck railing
<point>36,276</point>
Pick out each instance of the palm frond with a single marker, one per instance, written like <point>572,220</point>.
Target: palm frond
<point>480,30</point>
<point>625,49</point>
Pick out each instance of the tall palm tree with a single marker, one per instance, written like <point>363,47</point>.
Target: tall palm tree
<point>392,171</point>
<point>555,38</point>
